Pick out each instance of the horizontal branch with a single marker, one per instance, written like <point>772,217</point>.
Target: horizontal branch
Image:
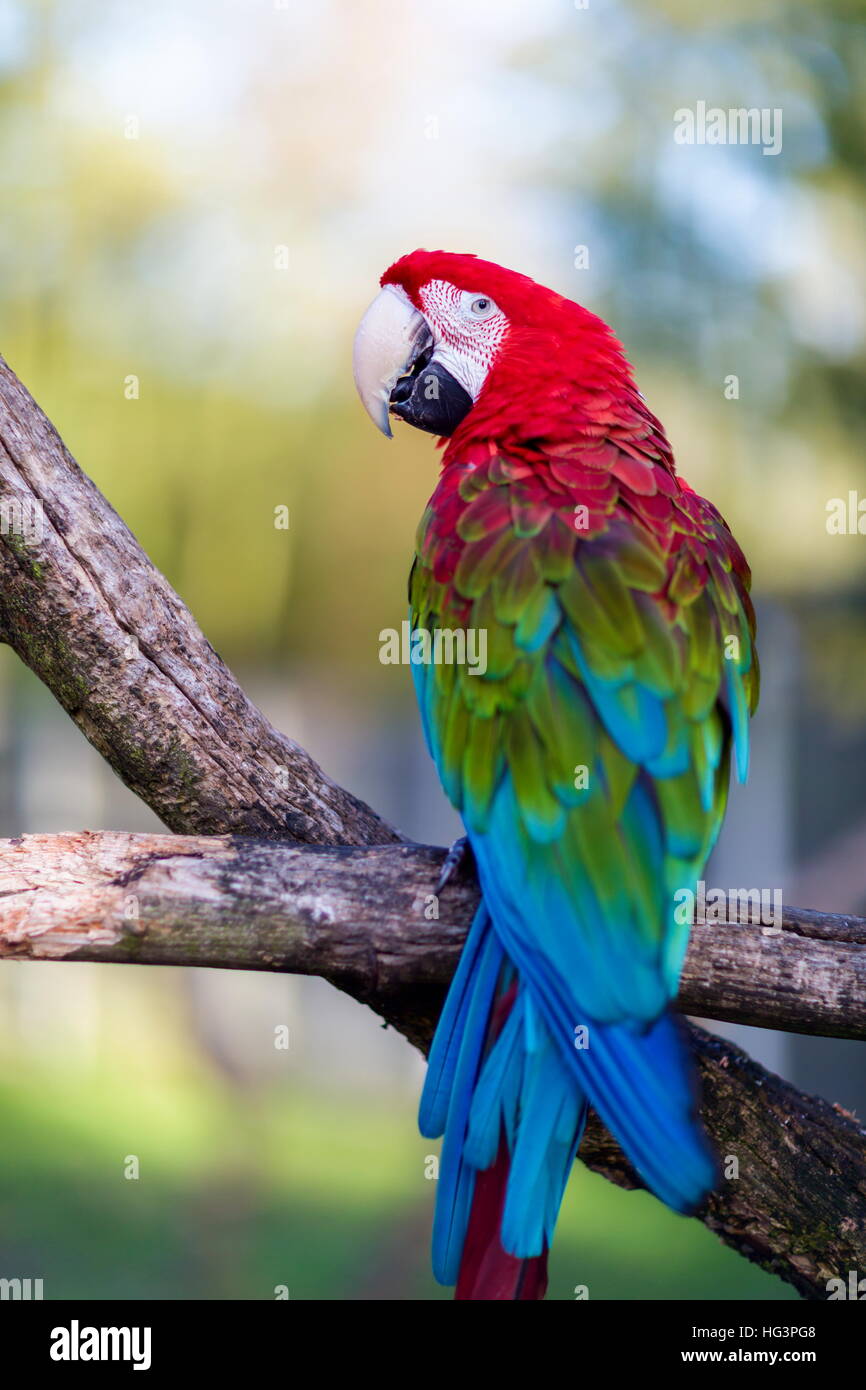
<point>360,918</point>
<point>365,919</point>
<point>85,608</point>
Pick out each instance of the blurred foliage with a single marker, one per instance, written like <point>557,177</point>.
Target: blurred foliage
<point>156,256</point>
<point>718,260</point>
<point>285,1187</point>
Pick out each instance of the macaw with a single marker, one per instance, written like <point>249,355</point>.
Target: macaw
<point>589,760</point>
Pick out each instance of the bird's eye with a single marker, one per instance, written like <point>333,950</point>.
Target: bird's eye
<point>479,306</point>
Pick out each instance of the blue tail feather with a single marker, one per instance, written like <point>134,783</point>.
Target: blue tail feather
<point>531,1084</point>
<point>455,1069</point>
<point>450,1030</point>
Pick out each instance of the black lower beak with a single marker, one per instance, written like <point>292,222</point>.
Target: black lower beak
<point>429,398</point>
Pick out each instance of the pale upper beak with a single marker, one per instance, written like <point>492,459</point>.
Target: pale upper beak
<point>390,338</point>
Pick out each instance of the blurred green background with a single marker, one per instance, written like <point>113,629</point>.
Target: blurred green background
<point>198,199</point>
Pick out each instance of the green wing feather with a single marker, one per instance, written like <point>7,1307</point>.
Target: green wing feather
<point>620,671</point>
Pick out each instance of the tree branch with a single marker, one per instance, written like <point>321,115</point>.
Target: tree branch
<point>86,610</point>
<point>363,918</point>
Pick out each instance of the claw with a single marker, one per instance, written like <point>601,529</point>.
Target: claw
<point>460,851</point>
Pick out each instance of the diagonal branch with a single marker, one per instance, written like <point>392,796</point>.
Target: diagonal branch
<point>86,610</point>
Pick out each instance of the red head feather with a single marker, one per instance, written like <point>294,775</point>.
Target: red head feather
<point>560,372</point>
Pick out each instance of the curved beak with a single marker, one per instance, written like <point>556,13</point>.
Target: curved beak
<point>391,337</point>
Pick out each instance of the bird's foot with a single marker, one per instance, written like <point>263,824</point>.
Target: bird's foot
<point>458,855</point>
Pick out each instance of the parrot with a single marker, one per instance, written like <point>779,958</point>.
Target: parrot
<point>589,759</point>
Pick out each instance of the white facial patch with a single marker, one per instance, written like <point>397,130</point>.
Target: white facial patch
<point>468,328</point>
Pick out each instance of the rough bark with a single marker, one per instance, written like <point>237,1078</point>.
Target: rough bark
<point>366,919</point>
<point>793,1190</point>
<point>88,613</point>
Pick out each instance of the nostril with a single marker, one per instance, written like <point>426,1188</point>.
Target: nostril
<point>403,390</point>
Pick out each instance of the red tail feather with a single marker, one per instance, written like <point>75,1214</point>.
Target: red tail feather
<point>486,1270</point>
